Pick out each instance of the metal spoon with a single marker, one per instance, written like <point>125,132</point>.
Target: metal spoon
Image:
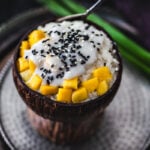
<point>84,15</point>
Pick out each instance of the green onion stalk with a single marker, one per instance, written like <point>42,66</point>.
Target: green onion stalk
<point>129,49</point>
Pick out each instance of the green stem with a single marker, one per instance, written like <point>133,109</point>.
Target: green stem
<point>119,37</point>
<point>134,61</point>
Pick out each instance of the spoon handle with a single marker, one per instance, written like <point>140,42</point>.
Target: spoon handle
<point>84,15</point>
<point>88,11</point>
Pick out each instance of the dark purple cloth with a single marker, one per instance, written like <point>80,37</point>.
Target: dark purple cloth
<point>138,13</point>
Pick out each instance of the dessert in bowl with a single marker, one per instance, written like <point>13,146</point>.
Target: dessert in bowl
<point>67,73</point>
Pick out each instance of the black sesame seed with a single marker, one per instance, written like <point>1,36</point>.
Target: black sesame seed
<point>41,68</point>
<point>97,34</point>
<point>80,54</point>
<point>98,43</point>
<point>26,57</point>
<point>86,37</point>
<point>49,71</point>
<point>87,27</point>
<point>60,68</point>
<point>51,78</point>
<point>48,82</point>
<point>83,62</point>
<point>52,66</point>
<point>78,47</point>
<point>101,34</point>
<point>43,55</point>
<point>88,57</point>
<point>48,45</point>
<point>94,46</point>
<point>58,76</point>
<point>34,52</point>
<point>91,41</point>
<point>45,40</point>
<point>42,51</point>
<point>43,76</point>
<point>45,70</point>
<point>67,69</point>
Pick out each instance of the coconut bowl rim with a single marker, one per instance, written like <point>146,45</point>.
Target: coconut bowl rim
<point>98,98</point>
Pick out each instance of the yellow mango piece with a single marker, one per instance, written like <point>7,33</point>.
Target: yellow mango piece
<point>48,89</point>
<point>32,66</point>
<point>79,95</point>
<point>102,88</point>
<point>22,64</point>
<point>24,46</point>
<point>71,83</point>
<point>64,95</point>
<point>35,36</point>
<point>91,84</point>
<point>35,82</point>
<point>103,73</point>
<point>26,75</point>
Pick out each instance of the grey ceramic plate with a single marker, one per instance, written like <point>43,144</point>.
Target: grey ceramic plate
<point>125,123</point>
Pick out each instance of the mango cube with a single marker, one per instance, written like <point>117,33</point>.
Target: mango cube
<point>22,64</point>
<point>102,88</point>
<point>64,95</point>
<point>32,66</point>
<point>35,82</point>
<point>79,95</point>
<point>48,89</point>
<point>91,84</point>
<point>103,73</point>
<point>71,83</point>
<point>35,36</point>
<point>26,75</point>
<point>24,46</point>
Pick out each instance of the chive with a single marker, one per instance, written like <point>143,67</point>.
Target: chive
<point>131,59</point>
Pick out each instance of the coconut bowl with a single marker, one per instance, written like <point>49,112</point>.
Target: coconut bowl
<point>64,123</point>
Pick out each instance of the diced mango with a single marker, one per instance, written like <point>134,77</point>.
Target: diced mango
<point>102,88</point>
<point>35,82</point>
<point>35,36</point>
<point>26,75</point>
<point>103,73</point>
<point>32,66</point>
<point>48,89</point>
<point>64,95</point>
<point>90,84</point>
<point>22,64</point>
<point>24,46</point>
<point>79,95</point>
<point>71,83</point>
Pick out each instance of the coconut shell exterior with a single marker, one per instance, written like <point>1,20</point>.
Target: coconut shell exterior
<point>64,115</point>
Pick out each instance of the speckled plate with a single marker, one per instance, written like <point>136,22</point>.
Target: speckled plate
<point>125,125</point>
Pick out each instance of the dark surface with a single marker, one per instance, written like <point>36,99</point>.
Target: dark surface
<point>10,8</point>
<point>138,14</point>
